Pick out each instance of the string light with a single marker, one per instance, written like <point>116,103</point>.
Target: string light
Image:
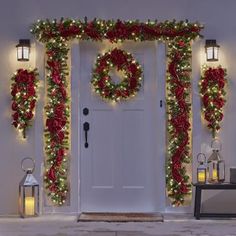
<point>178,82</point>
<point>212,94</point>
<point>102,82</point>
<point>172,32</point>
<point>24,97</point>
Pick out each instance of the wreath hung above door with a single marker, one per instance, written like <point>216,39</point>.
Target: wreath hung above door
<point>124,62</point>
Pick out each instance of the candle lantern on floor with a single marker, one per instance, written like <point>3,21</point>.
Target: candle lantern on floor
<point>201,169</point>
<point>28,191</point>
<point>216,164</point>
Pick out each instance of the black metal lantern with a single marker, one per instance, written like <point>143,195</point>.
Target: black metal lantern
<point>216,165</point>
<point>23,50</point>
<point>212,50</point>
<point>28,192</point>
<point>201,169</point>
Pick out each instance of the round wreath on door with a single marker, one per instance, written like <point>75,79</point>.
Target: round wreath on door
<point>124,62</point>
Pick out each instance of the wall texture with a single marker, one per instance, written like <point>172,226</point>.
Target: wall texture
<point>17,16</point>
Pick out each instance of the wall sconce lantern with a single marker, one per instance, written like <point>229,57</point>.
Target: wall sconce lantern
<point>216,165</point>
<point>201,169</point>
<point>23,50</point>
<point>28,192</point>
<point>212,50</point>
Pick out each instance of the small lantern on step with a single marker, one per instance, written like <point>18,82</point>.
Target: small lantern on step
<point>216,165</point>
<point>201,169</point>
<point>28,192</point>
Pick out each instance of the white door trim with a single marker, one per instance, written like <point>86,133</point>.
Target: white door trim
<point>75,118</point>
<point>161,96</point>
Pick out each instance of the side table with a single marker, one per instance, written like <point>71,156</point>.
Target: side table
<point>198,196</point>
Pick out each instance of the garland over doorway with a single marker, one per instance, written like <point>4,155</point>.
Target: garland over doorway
<point>178,36</point>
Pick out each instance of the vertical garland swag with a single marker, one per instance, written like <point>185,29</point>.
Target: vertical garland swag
<point>57,121</point>
<point>212,91</point>
<point>179,35</point>
<point>24,97</point>
<point>178,122</point>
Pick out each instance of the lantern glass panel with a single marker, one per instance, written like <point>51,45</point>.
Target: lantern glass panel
<point>29,201</point>
<point>209,52</point>
<point>19,53</point>
<point>221,171</point>
<point>216,52</point>
<point>201,174</point>
<point>201,169</point>
<point>212,171</point>
<point>26,53</point>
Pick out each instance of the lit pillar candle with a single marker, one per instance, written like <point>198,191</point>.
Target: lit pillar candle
<point>214,174</point>
<point>29,206</point>
<point>201,176</point>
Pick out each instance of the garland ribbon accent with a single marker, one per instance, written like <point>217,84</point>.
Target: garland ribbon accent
<point>55,34</point>
<point>57,122</point>
<point>212,91</point>
<point>102,81</point>
<point>23,91</point>
<point>179,127</point>
<point>114,31</point>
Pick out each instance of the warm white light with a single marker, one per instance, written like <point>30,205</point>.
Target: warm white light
<point>209,53</point>
<point>29,206</point>
<point>201,176</point>
<point>25,53</point>
<point>216,50</point>
<point>23,50</point>
<point>212,50</point>
<point>19,53</point>
<point>214,174</point>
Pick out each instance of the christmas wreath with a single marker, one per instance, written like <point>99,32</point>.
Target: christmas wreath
<point>212,91</point>
<point>102,81</point>
<point>23,91</point>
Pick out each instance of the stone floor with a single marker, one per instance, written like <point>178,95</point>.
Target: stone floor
<point>61,225</point>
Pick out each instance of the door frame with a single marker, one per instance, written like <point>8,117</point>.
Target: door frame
<point>76,127</point>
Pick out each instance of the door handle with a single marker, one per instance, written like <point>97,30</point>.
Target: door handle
<point>86,129</point>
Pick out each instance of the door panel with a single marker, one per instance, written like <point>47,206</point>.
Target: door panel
<point>119,171</point>
<point>102,158</point>
<point>133,164</point>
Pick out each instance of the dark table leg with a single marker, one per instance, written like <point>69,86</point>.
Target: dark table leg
<point>197,205</point>
<point>195,202</point>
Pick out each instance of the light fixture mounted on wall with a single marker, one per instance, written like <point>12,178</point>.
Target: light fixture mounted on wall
<point>212,50</point>
<point>23,50</point>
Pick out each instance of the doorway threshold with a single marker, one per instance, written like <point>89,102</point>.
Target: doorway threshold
<point>120,217</point>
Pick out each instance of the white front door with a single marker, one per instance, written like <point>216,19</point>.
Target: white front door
<point>122,169</point>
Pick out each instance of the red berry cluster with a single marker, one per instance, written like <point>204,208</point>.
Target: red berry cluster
<point>102,81</point>
<point>23,91</point>
<point>212,90</point>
